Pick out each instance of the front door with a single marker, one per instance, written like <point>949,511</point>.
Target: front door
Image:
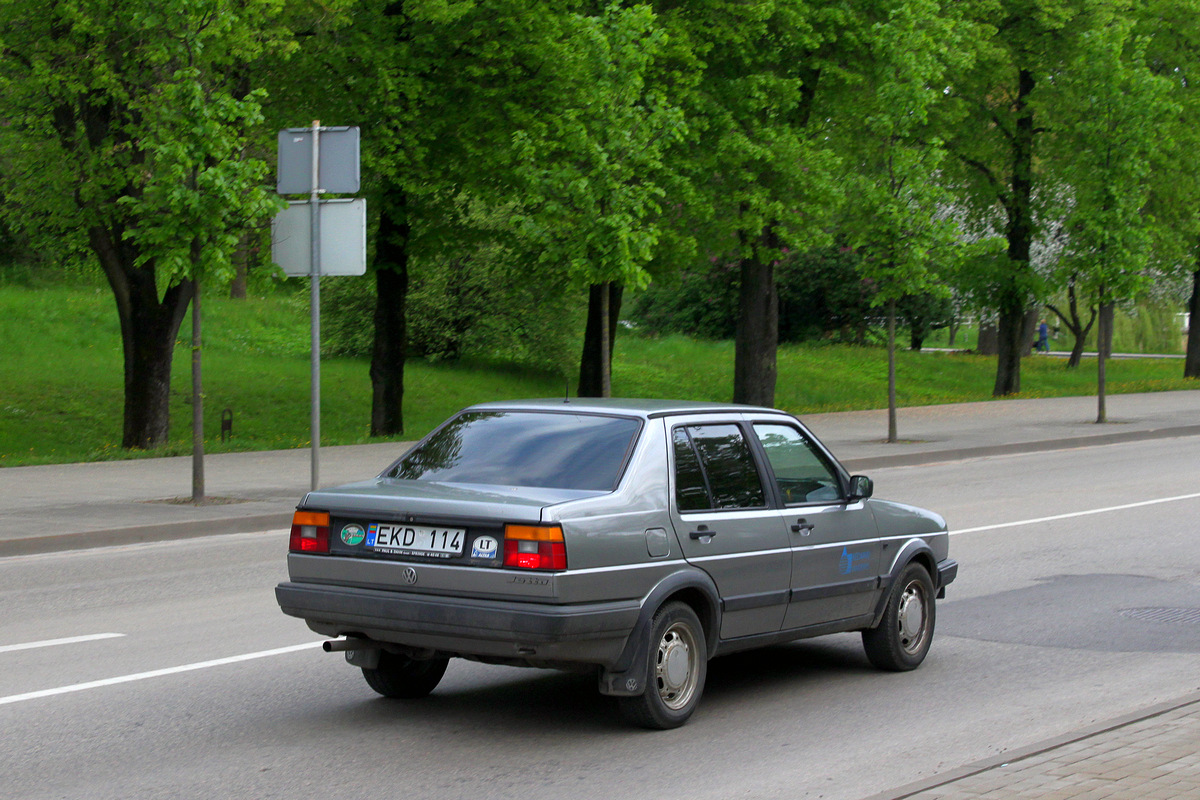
<point>834,544</point>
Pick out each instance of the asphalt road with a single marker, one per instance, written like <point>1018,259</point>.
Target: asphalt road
<point>1078,570</point>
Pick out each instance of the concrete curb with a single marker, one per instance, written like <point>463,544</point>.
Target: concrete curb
<point>1045,445</point>
<point>1021,753</point>
<point>140,534</point>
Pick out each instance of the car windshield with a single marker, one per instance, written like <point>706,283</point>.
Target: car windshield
<point>522,448</point>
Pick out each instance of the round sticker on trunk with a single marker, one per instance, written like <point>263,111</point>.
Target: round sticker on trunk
<point>353,534</point>
<point>484,547</point>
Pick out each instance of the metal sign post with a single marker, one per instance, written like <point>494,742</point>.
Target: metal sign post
<point>302,151</point>
<point>315,306</point>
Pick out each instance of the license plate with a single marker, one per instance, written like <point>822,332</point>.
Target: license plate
<point>415,540</point>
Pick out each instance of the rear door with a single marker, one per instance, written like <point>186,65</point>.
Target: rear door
<point>834,543</point>
<point>724,521</point>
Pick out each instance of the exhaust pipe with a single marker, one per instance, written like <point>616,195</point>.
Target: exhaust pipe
<point>359,652</point>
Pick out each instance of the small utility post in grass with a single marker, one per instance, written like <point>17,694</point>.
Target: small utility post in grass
<point>891,327</point>
<point>197,399</point>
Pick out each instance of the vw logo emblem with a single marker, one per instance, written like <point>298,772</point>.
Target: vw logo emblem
<point>410,576</point>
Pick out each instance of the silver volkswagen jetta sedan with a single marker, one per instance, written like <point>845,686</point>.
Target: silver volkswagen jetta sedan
<point>634,538</point>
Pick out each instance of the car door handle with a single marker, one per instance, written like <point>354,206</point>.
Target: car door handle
<point>803,527</point>
<point>702,533</point>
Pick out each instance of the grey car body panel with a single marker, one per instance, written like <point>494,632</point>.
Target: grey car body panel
<point>759,579</point>
<point>391,497</point>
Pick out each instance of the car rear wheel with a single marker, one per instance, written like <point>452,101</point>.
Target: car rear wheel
<point>403,677</point>
<point>677,667</point>
<point>906,631</point>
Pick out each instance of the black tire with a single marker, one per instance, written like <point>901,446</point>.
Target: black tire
<point>676,670</point>
<point>403,677</point>
<point>906,630</point>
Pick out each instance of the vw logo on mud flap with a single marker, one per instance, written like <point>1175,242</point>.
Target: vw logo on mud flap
<point>410,576</point>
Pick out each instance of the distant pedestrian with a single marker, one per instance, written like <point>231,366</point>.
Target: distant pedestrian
<point>1043,342</point>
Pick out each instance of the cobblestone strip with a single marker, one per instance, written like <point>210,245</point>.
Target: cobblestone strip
<point>1151,756</point>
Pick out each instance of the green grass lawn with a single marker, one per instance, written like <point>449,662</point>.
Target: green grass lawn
<point>61,378</point>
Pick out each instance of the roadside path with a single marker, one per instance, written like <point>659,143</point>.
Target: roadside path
<point>68,506</point>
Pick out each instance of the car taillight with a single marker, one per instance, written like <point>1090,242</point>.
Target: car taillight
<point>310,532</point>
<point>534,547</point>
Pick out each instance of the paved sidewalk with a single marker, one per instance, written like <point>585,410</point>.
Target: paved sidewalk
<point>69,506</point>
<point>1151,755</point>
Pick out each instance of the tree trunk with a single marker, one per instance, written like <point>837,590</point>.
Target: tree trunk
<point>954,325</point>
<point>149,327</point>
<point>989,342</point>
<point>916,340</point>
<point>1075,324</point>
<point>595,365</point>
<point>1019,234</point>
<point>1076,357</point>
<point>197,395</point>
<point>757,336</point>
<point>241,267</point>
<point>891,351</point>
<point>1029,331</point>
<point>391,331</point>
<point>1010,335</point>
<point>1191,364</point>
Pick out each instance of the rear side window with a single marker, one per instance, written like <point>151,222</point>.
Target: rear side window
<point>525,448</point>
<point>714,469</point>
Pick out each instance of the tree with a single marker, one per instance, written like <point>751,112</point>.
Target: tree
<point>898,209</point>
<point>993,122</point>
<point>761,176</point>
<point>126,123</point>
<point>1112,110</point>
<point>1074,320</point>
<point>1172,34</point>
<point>590,175</point>
<point>458,104</point>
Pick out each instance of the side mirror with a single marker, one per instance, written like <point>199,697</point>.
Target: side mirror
<point>861,487</point>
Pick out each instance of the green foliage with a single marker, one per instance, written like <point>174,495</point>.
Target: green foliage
<point>822,296</point>
<point>590,175</point>
<point>482,308</point>
<point>1112,110</point>
<point>1144,328</point>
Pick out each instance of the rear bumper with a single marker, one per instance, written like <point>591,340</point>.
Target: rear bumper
<point>534,632</point>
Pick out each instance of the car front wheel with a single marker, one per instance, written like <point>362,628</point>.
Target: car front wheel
<point>403,677</point>
<point>678,665</point>
<point>903,636</point>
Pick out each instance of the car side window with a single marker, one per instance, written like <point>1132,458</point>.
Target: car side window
<point>801,471</point>
<point>714,469</point>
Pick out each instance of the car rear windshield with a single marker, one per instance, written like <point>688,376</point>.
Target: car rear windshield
<point>522,448</point>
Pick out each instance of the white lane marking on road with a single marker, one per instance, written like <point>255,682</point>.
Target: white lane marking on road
<point>1074,514</point>
<point>91,637</point>
<point>156,673</point>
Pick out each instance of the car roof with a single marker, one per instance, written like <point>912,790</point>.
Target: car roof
<point>624,406</point>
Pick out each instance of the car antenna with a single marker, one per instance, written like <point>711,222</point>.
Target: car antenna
<point>567,392</point>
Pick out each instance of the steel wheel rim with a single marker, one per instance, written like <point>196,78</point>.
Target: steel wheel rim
<point>913,617</point>
<point>676,667</point>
